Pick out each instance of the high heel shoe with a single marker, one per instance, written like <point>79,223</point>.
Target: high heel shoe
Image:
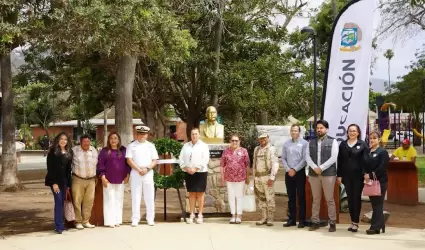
<point>383,229</point>
<point>373,231</point>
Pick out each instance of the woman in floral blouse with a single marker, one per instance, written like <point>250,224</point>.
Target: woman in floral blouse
<point>235,171</point>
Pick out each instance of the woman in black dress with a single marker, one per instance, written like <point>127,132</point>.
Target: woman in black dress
<point>58,176</point>
<point>377,165</point>
<point>352,157</point>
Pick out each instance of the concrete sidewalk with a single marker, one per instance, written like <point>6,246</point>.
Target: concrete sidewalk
<point>215,234</point>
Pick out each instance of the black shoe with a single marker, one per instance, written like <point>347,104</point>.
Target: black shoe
<point>314,227</point>
<point>58,231</point>
<point>332,227</point>
<point>301,225</point>
<point>373,231</point>
<point>289,224</point>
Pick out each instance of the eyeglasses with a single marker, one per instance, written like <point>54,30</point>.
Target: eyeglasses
<point>234,140</point>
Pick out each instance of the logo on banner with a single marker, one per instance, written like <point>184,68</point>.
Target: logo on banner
<point>351,36</point>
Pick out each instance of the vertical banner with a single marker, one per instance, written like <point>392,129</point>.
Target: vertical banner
<point>346,89</point>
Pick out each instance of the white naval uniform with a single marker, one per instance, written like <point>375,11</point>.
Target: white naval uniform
<point>142,153</point>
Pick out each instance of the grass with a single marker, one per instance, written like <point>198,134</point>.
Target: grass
<point>420,163</point>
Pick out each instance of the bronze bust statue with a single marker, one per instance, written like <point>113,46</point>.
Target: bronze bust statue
<point>211,132</point>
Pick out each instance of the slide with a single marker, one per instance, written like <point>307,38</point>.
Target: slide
<point>385,136</point>
<point>416,132</point>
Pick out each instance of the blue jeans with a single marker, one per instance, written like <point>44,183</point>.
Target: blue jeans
<point>59,207</point>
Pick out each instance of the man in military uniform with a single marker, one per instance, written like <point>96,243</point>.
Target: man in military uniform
<point>265,169</point>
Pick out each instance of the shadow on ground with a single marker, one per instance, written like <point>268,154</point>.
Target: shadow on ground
<point>24,221</point>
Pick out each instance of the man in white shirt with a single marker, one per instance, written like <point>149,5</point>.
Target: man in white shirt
<point>321,157</point>
<point>142,157</point>
<point>194,158</point>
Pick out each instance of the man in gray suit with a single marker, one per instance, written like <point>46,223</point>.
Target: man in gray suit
<point>321,157</point>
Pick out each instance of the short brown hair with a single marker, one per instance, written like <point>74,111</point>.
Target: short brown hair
<point>296,125</point>
<point>195,128</point>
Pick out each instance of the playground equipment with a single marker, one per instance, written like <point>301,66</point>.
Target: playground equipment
<point>416,132</point>
<point>387,132</point>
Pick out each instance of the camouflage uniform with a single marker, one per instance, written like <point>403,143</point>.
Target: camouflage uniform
<point>265,168</point>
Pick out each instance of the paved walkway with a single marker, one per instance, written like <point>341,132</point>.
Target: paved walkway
<point>215,234</point>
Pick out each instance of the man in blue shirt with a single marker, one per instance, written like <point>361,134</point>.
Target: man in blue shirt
<point>293,159</point>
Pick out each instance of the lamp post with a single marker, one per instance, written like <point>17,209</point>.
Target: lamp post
<point>311,32</point>
<point>423,115</point>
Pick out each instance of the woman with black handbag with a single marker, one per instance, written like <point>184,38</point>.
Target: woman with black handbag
<point>377,168</point>
<point>58,176</point>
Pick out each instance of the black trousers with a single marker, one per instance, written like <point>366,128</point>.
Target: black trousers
<point>354,189</point>
<point>295,186</point>
<point>378,221</point>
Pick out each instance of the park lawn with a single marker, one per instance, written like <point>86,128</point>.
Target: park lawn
<point>420,163</point>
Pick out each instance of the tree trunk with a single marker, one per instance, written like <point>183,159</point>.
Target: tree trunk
<point>191,122</point>
<point>334,9</point>
<point>217,49</point>
<point>263,118</point>
<point>105,124</point>
<point>9,175</point>
<point>124,98</point>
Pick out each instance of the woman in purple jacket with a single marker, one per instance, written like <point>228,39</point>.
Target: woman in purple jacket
<point>114,173</point>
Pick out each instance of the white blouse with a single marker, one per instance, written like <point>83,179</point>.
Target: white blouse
<point>195,156</point>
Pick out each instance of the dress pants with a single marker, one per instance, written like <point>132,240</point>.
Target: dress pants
<point>377,202</point>
<point>113,198</point>
<point>354,188</point>
<point>235,192</point>
<point>295,186</point>
<point>83,198</point>
<point>59,199</point>
<point>327,184</point>
<point>141,185</point>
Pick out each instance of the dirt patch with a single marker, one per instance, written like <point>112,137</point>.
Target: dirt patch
<point>31,210</point>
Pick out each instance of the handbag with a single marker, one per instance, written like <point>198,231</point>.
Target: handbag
<point>372,188</point>
<point>68,207</point>
<point>248,200</point>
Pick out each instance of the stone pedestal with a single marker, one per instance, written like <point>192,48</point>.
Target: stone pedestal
<point>215,194</point>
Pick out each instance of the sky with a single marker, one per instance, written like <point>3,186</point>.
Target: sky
<point>404,53</point>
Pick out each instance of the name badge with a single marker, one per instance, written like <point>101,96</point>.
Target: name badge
<point>358,147</point>
<point>374,155</point>
<point>299,145</point>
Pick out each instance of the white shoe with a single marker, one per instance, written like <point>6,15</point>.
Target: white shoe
<point>190,220</point>
<point>88,225</point>
<point>238,220</point>
<point>79,226</point>
<point>134,224</point>
<point>200,219</point>
<point>232,220</point>
<point>151,223</point>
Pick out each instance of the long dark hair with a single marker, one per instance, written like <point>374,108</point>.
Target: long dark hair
<point>108,144</point>
<point>358,130</point>
<point>55,148</point>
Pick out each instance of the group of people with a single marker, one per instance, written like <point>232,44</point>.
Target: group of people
<point>326,163</point>
<point>352,163</point>
<point>74,171</point>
